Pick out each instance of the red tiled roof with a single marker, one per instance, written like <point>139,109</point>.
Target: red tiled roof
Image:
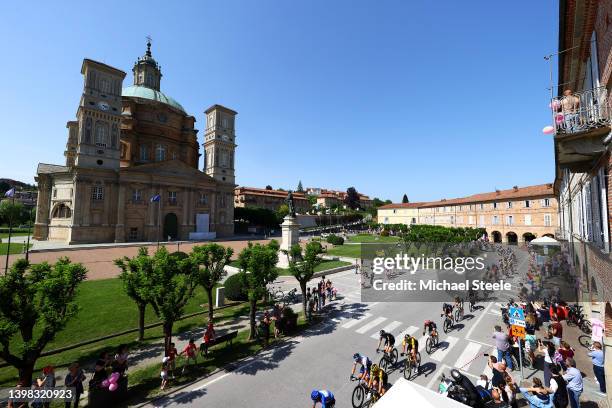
<point>540,190</point>
<point>267,193</point>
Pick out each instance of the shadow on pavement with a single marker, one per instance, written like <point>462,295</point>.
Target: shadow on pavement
<point>183,397</point>
<point>268,359</point>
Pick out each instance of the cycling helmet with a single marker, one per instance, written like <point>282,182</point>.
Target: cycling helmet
<point>407,336</point>
<point>356,356</point>
<point>314,395</point>
<point>457,376</point>
<point>382,332</point>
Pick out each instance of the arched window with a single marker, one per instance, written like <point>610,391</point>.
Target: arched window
<point>114,136</point>
<point>160,153</point>
<point>62,211</point>
<point>101,134</point>
<point>87,131</point>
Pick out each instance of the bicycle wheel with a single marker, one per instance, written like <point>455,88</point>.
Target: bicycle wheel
<point>585,341</point>
<point>446,326</point>
<point>571,321</point>
<point>408,368</point>
<point>394,356</point>
<point>585,326</point>
<point>383,363</point>
<point>418,361</point>
<point>358,396</point>
<point>428,345</point>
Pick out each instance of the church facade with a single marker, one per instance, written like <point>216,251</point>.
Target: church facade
<point>131,170</point>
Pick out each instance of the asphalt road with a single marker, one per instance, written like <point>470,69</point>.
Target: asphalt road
<point>320,358</point>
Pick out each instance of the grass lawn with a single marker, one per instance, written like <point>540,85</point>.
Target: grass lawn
<point>323,266</point>
<point>371,238</point>
<point>350,251</point>
<point>106,309</point>
<point>16,248</point>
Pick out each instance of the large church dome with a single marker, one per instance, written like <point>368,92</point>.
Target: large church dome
<point>147,78</point>
<point>143,92</point>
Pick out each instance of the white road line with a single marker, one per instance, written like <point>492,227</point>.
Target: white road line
<point>388,328</point>
<point>469,333</point>
<point>409,330</point>
<point>469,353</point>
<point>422,342</point>
<point>355,322</point>
<point>441,353</point>
<point>495,312</point>
<point>206,384</point>
<point>370,325</point>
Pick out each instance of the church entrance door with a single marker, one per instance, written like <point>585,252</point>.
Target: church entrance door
<point>170,227</point>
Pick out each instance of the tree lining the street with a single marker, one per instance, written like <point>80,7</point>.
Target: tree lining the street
<point>302,265</point>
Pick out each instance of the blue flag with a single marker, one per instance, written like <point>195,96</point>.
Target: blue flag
<point>155,198</point>
<point>10,193</point>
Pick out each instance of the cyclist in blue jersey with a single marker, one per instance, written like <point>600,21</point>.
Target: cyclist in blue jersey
<point>364,370</point>
<point>325,397</point>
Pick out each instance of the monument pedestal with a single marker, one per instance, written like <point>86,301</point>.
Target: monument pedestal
<point>290,236</point>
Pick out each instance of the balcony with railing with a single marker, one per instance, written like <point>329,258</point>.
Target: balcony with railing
<point>582,121</point>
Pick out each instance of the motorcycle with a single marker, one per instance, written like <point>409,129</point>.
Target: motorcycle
<point>575,317</point>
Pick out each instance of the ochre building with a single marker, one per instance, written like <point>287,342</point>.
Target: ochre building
<point>516,215</point>
<point>131,170</point>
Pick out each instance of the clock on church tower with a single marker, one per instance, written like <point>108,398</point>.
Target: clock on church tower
<point>99,116</point>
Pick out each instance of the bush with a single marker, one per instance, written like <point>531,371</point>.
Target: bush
<point>335,240</point>
<point>234,289</point>
<point>384,233</point>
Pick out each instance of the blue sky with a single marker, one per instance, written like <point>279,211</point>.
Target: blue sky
<point>433,99</point>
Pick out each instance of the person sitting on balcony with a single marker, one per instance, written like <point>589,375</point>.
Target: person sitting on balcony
<point>570,105</point>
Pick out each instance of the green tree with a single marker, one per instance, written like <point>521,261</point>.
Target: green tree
<point>269,187</point>
<point>137,277</point>
<point>36,302</point>
<point>211,260</point>
<point>300,188</point>
<point>13,213</point>
<point>175,277</point>
<point>282,212</point>
<point>405,199</point>
<point>352,198</point>
<point>257,269</point>
<point>303,264</point>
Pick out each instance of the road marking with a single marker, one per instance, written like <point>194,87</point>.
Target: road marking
<point>477,322</point>
<point>211,382</point>
<point>388,328</point>
<point>494,312</point>
<point>469,353</point>
<point>409,330</point>
<point>371,325</point>
<point>355,322</point>
<point>423,342</point>
<point>441,353</point>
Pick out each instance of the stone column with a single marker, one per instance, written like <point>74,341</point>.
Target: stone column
<point>41,225</point>
<point>213,211</point>
<point>108,197</point>
<point>86,204</point>
<point>120,226</point>
<point>191,208</point>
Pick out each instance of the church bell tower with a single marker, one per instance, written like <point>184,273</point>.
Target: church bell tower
<point>219,143</point>
<point>99,117</point>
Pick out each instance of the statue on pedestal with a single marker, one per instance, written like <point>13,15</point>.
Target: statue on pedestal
<point>290,204</point>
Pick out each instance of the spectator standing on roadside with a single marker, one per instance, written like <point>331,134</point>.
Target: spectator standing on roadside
<point>537,395</point>
<point>574,383</point>
<point>597,358</point>
<point>172,353</point>
<point>558,386</point>
<point>75,378</point>
<point>208,338</point>
<point>502,344</point>
<point>190,352</point>
<point>556,329</point>
<point>121,359</point>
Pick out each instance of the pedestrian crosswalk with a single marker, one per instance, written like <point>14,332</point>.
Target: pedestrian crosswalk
<point>453,350</point>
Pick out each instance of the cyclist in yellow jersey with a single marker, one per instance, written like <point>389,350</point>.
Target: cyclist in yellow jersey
<point>410,344</point>
<point>378,380</point>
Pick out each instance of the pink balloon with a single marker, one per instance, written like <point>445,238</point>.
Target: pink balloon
<point>105,384</point>
<point>548,130</point>
<point>113,387</point>
<point>554,105</point>
<point>114,377</point>
<point>559,118</point>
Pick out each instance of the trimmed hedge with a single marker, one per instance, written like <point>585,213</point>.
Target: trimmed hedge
<point>234,289</point>
<point>335,240</point>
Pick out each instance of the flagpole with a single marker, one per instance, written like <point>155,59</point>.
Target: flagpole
<point>158,219</point>
<point>8,248</point>
<point>29,233</point>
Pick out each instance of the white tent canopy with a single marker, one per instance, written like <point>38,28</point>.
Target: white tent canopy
<point>404,393</point>
<point>544,241</point>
